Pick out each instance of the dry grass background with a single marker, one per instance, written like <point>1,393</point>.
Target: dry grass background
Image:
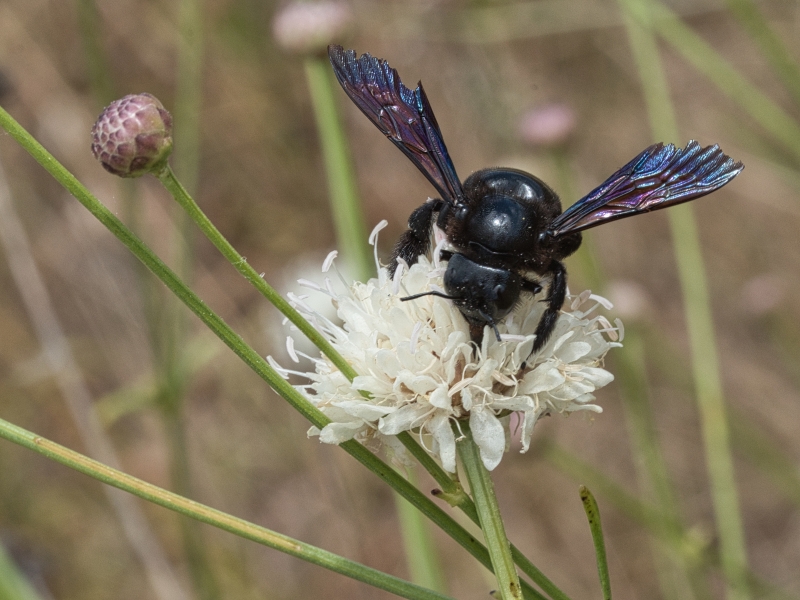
<point>263,185</point>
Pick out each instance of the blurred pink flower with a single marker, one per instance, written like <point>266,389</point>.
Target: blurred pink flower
<point>308,27</point>
<point>548,126</point>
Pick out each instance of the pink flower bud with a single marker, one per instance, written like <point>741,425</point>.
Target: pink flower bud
<point>548,126</point>
<point>308,27</point>
<point>133,136</point>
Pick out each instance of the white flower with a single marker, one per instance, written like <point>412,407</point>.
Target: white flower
<point>418,370</point>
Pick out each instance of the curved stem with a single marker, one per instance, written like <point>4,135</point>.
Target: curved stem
<point>224,332</point>
<point>168,179</point>
<point>452,490</point>
<point>214,517</point>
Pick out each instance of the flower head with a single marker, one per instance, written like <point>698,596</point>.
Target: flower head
<point>133,136</point>
<point>418,370</point>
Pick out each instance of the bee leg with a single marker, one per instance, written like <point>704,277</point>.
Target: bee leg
<point>555,299</point>
<point>417,238</point>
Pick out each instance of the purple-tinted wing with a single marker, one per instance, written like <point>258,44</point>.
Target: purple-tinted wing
<point>403,115</point>
<point>659,177</point>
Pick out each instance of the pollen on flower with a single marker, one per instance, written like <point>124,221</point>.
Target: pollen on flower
<point>418,371</point>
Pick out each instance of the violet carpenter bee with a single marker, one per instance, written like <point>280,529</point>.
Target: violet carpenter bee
<point>506,231</point>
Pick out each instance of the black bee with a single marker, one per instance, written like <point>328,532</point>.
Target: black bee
<point>505,226</point>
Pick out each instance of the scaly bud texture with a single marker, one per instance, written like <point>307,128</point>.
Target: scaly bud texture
<point>133,136</point>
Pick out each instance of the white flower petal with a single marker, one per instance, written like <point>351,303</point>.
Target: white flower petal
<point>440,398</point>
<point>336,433</point>
<point>517,403</point>
<point>403,419</point>
<point>488,433</point>
<point>387,362</point>
<point>543,378</point>
<point>528,422</point>
<point>422,372</point>
<point>372,385</point>
<point>439,427</point>
<point>599,377</point>
<point>571,352</point>
<point>363,409</point>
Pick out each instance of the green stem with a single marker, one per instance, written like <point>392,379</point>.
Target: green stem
<point>351,233</point>
<point>480,482</point>
<point>691,271</point>
<point>453,493</point>
<point>449,487</point>
<point>223,331</point>
<point>168,179</point>
<point>211,516</point>
<point>593,515</point>
<point>689,544</point>
<point>711,401</point>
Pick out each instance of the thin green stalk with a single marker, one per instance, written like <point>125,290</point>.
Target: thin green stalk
<point>251,358</point>
<point>449,487</point>
<point>593,515</point>
<point>691,272</point>
<point>211,516</point>
<point>773,49</point>
<point>168,179</point>
<point>695,548</point>
<point>202,576</point>
<point>351,233</point>
<point>482,487</point>
<point>188,93</point>
<point>710,397</point>
<point>453,493</point>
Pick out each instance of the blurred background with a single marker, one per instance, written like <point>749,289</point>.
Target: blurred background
<point>561,89</point>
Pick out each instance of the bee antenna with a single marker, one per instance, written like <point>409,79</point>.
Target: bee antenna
<point>491,323</point>
<point>434,293</point>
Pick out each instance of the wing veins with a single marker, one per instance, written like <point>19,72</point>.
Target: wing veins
<point>660,176</point>
<point>403,115</point>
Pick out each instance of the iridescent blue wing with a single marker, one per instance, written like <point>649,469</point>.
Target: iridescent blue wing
<point>403,115</point>
<point>659,177</point>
